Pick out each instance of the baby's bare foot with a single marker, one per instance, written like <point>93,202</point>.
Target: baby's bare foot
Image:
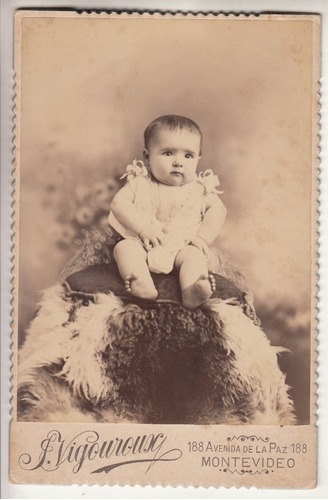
<point>196,294</point>
<point>141,287</point>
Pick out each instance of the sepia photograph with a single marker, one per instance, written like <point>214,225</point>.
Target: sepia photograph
<point>165,223</point>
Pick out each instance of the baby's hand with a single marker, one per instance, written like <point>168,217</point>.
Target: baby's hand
<point>152,236</point>
<point>201,244</point>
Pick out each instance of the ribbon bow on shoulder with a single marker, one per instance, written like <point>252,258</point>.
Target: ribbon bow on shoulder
<point>137,168</point>
<point>209,181</point>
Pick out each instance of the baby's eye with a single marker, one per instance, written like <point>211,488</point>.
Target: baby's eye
<point>189,155</point>
<point>167,153</point>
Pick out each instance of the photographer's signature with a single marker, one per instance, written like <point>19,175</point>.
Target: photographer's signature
<point>87,446</point>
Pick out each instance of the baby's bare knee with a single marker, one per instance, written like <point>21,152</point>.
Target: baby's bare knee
<point>189,254</point>
<point>128,247</point>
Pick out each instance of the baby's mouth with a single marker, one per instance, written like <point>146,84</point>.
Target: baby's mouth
<point>177,174</point>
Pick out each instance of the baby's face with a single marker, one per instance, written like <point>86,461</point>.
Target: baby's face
<point>173,156</point>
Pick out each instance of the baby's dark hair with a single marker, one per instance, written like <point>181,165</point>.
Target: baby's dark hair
<point>170,122</point>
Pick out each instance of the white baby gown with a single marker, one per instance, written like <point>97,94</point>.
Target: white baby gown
<point>183,221</point>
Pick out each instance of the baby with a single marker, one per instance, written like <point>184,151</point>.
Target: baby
<point>167,215</point>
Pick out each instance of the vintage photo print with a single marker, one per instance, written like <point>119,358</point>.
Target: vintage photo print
<point>165,249</point>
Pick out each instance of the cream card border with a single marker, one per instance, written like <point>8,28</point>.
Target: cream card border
<point>314,229</point>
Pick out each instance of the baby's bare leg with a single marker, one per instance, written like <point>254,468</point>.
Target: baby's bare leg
<point>131,259</point>
<point>195,283</point>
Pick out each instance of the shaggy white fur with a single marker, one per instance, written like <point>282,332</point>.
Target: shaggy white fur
<point>77,347</point>
<point>256,360</point>
<point>47,338</point>
<point>51,339</point>
<point>84,369</point>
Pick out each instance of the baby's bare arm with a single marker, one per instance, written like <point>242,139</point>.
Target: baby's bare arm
<point>127,214</point>
<point>213,220</point>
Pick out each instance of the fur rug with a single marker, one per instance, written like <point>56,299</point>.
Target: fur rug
<point>100,359</point>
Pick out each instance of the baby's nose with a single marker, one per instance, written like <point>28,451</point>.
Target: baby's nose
<point>177,162</point>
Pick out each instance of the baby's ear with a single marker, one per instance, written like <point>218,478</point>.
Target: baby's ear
<point>146,155</point>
